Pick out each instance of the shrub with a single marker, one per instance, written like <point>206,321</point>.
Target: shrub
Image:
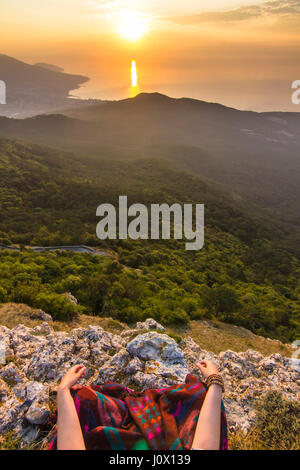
<point>278,422</point>
<point>113,267</point>
<point>130,314</point>
<point>3,294</point>
<point>71,283</point>
<point>220,299</point>
<point>25,294</point>
<point>177,316</point>
<point>58,306</point>
<point>277,426</point>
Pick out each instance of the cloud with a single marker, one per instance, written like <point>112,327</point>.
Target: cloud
<point>101,4</point>
<point>271,8</point>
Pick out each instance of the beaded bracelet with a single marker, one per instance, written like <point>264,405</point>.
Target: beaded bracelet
<point>215,379</point>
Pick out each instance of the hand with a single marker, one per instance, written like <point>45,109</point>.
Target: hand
<point>72,377</point>
<point>207,368</point>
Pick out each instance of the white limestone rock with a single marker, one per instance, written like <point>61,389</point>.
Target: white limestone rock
<point>114,369</point>
<point>11,374</point>
<point>6,350</point>
<point>153,345</point>
<point>37,413</point>
<point>37,358</point>
<point>149,324</point>
<point>41,315</point>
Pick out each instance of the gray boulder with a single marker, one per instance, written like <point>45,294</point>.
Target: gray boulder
<point>149,324</point>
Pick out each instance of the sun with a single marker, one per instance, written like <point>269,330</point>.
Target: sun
<point>131,26</point>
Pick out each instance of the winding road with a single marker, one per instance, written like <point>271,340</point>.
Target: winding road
<point>75,248</point>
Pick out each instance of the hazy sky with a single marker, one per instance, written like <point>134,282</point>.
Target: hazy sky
<point>238,52</point>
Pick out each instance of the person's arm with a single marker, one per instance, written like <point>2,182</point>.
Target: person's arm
<point>207,435</point>
<point>69,435</point>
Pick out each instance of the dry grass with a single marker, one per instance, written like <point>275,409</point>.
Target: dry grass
<point>210,335</point>
<point>83,321</point>
<point>217,337</point>
<point>241,441</point>
<point>9,442</point>
<point>12,315</point>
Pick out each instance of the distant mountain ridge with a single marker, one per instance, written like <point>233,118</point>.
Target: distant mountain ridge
<point>46,66</point>
<point>254,156</point>
<point>36,89</point>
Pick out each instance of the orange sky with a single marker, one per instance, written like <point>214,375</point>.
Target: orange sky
<point>241,53</point>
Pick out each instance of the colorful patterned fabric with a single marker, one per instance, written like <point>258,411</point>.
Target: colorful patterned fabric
<point>113,417</point>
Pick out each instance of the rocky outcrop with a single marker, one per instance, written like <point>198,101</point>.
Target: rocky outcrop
<point>71,298</point>
<point>41,315</point>
<point>35,359</point>
<point>149,324</point>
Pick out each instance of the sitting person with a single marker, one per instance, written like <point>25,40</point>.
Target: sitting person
<point>113,417</point>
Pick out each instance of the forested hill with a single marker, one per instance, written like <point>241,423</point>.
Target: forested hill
<point>41,186</point>
<point>48,197</point>
<point>253,155</point>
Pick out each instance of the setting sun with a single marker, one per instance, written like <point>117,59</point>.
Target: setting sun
<point>131,26</point>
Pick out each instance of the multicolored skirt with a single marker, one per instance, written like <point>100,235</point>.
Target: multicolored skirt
<point>113,417</point>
